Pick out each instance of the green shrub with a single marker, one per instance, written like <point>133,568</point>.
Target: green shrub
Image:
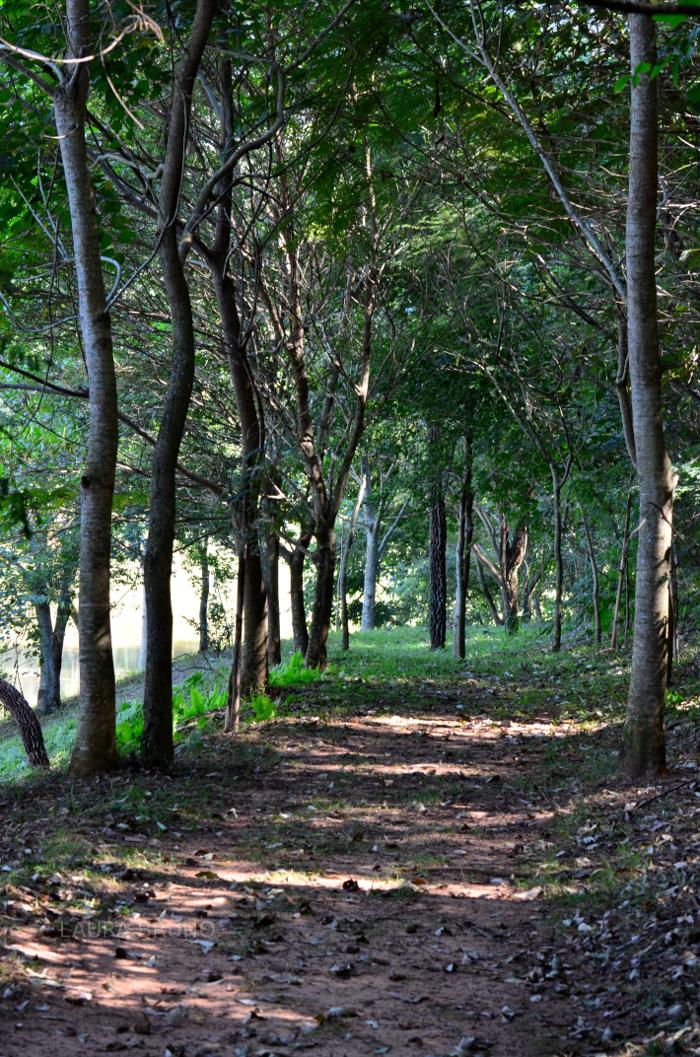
<point>263,708</point>
<point>293,672</point>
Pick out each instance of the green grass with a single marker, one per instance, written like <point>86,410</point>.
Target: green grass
<point>395,666</point>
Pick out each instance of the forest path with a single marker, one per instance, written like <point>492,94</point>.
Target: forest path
<point>346,884</point>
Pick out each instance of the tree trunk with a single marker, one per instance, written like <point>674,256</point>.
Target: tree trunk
<point>645,749</point>
<point>204,589</point>
<point>254,660</point>
<point>232,720</point>
<point>558,564</point>
<point>158,685</point>
<point>95,745</point>
<point>369,594</point>
<point>254,665</point>
<point>46,697</point>
<point>63,615</point>
<point>673,636</point>
<point>317,649</point>
<point>300,629</point>
<point>271,576</point>
<point>437,613</point>
<point>595,580</point>
<point>344,562</point>
<point>28,724</point>
<point>622,571</point>
<point>511,557</point>
<point>465,536</point>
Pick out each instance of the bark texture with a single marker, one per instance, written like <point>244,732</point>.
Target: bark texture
<point>158,689</point>
<point>27,723</point>
<point>437,613</point>
<point>645,753</point>
<point>317,649</point>
<point>465,537</point>
<point>297,558</point>
<point>95,745</point>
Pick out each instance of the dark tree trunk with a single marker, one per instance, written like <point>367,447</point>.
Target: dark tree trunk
<point>254,666</point>
<point>437,613</point>
<point>254,656</point>
<point>232,721</point>
<point>28,724</point>
<point>95,744</point>
<point>317,649</point>
<point>48,692</point>
<point>271,576</point>
<point>673,639</point>
<point>558,564</point>
<point>158,677</point>
<point>204,589</point>
<point>300,629</point>
<point>645,743</point>
<point>465,536</point>
<point>51,639</point>
<point>622,571</point>
<point>64,609</point>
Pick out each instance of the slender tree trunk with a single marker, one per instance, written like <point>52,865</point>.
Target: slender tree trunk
<point>63,615</point>
<point>300,629</point>
<point>317,650</point>
<point>558,563</point>
<point>465,536</point>
<point>595,579</point>
<point>232,722</point>
<point>158,688</point>
<point>437,614</point>
<point>46,698</point>
<point>95,745</point>
<point>369,594</point>
<point>645,748</point>
<point>622,571</point>
<point>271,576</point>
<point>254,660</point>
<point>344,562</point>
<point>204,589</point>
<point>673,644</point>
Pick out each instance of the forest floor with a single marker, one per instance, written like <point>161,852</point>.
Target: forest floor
<point>415,857</point>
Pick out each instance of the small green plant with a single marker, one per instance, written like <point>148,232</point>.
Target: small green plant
<point>263,708</point>
<point>293,672</point>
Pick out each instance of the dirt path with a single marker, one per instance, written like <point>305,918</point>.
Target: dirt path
<point>345,887</point>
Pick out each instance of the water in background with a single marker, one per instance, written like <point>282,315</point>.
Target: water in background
<point>127,616</point>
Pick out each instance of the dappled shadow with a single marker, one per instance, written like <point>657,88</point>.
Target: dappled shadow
<point>358,888</point>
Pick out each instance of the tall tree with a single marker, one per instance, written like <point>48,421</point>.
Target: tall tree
<point>158,692</point>
<point>95,745</point>
<point>645,750</point>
